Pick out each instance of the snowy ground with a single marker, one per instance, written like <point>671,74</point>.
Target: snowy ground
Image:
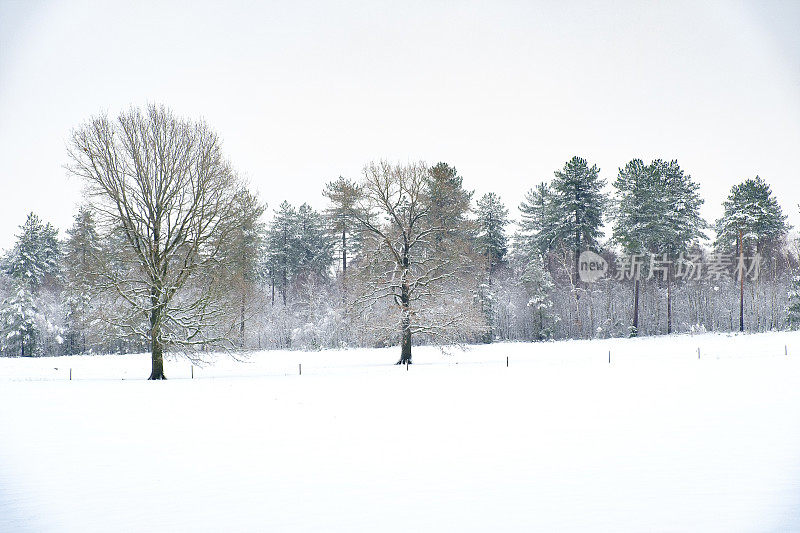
<point>561,440</point>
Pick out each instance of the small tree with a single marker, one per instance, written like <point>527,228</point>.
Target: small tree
<point>794,303</point>
<point>18,317</point>
<point>538,286</point>
<point>163,182</point>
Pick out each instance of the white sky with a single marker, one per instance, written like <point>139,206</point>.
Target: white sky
<point>302,92</point>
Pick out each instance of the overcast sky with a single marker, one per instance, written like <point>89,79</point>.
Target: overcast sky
<point>505,91</point>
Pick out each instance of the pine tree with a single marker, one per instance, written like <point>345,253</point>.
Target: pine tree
<point>314,245</point>
<point>282,259</point>
<point>657,211</point>
<point>491,239</point>
<point>539,224</point>
<point>578,202</point>
<point>81,250</point>
<point>492,244</point>
<point>752,209</point>
<point>35,256</point>
<point>343,196</point>
<point>538,286</point>
<point>794,303</point>
<point>244,250</point>
<point>18,318</point>
<point>449,204</point>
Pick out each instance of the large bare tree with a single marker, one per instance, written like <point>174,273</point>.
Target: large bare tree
<point>406,264</point>
<point>163,183</point>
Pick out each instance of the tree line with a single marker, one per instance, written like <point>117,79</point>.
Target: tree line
<point>171,251</point>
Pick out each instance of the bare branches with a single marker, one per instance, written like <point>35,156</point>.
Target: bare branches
<point>409,265</point>
<point>163,184</point>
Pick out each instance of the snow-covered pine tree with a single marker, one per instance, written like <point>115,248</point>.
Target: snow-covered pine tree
<point>538,223</point>
<point>683,225</point>
<point>794,303</point>
<point>751,212</point>
<point>656,211</point>
<point>449,204</point>
<point>578,203</point>
<point>491,239</point>
<point>35,256</point>
<point>491,244</point>
<point>345,229</point>
<point>243,253</point>
<point>314,245</point>
<point>538,286</point>
<point>752,209</point>
<point>20,333</point>
<point>81,250</point>
<point>282,249</point>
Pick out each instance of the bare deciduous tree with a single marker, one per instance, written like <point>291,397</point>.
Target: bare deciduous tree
<point>163,183</point>
<point>407,265</point>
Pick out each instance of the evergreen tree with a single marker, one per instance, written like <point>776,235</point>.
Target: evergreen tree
<point>341,213</point>
<point>538,286</point>
<point>578,203</point>
<point>314,246</point>
<point>244,250</point>
<point>449,204</point>
<point>35,256</point>
<point>491,239</point>
<point>657,211</point>
<point>539,225</point>
<point>491,243</point>
<point>81,251</point>
<point>794,303</point>
<point>752,209</point>
<point>282,258</point>
<point>18,317</point>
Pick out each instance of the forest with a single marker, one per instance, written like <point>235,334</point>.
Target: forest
<point>172,251</point>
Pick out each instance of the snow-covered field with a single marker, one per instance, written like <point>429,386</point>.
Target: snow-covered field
<point>561,440</point>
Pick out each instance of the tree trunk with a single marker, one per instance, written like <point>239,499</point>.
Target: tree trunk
<point>241,323</point>
<point>741,283</point>
<point>405,320</point>
<point>577,256</point>
<point>156,346</point>
<point>635,327</point>
<point>669,301</point>
<point>344,251</point>
<point>158,360</point>
<point>344,265</point>
<point>405,342</point>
